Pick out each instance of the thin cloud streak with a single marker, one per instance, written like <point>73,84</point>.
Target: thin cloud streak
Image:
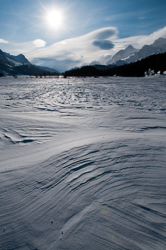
<point>141,14</point>
<point>3,41</point>
<point>139,41</point>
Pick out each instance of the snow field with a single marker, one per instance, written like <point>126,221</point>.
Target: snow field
<point>82,163</point>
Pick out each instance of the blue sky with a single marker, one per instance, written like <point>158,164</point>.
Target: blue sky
<point>106,25</point>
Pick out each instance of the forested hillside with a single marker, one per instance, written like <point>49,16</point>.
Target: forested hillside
<point>138,69</point>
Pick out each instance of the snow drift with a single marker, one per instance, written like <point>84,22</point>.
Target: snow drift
<point>83,163</point>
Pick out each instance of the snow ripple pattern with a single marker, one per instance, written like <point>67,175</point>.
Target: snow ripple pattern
<point>85,173</point>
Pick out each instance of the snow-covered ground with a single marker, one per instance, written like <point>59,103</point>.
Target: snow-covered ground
<point>83,164</point>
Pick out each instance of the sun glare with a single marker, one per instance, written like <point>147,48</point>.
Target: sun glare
<point>54,18</point>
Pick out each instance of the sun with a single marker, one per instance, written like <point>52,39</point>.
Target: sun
<point>54,18</point>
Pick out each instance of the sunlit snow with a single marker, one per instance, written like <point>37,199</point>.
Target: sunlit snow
<point>83,163</point>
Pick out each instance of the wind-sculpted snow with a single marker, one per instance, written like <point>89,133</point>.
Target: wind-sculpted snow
<point>83,163</point>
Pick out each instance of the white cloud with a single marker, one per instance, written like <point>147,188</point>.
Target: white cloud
<point>99,45</point>
<point>140,41</point>
<point>39,43</point>
<point>19,48</point>
<point>3,41</point>
<point>23,48</point>
<point>76,51</point>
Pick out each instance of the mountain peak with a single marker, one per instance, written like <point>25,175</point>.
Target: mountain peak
<point>159,42</point>
<point>12,65</point>
<point>21,56</point>
<point>122,54</point>
<point>21,59</point>
<point>130,54</point>
<point>130,47</point>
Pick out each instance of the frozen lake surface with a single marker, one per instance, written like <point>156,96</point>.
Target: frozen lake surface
<point>83,164</point>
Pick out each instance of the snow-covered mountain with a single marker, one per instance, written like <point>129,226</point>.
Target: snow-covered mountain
<point>159,46</point>
<point>17,60</point>
<point>9,63</point>
<point>13,65</point>
<point>13,60</point>
<point>122,54</point>
<point>130,54</point>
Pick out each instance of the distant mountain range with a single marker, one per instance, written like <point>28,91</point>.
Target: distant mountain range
<point>150,65</point>
<point>130,54</point>
<point>19,65</point>
<point>128,62</point>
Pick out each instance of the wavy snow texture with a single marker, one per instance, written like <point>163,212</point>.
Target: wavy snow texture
<point>82,164</point>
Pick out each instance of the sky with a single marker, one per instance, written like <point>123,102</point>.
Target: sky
<point>63,34</point>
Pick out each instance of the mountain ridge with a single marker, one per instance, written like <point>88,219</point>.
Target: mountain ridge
<point>19,65</point>
<point>122,54</point>
<point>150,65</point>
<point>126,55</point>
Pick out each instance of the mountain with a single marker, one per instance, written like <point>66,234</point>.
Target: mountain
<point>159,46</point>
<point>3,58</point>
<point>19,65</point>
<point>130,54</point>
<point>17,60</point>
<point>94,63</point>
<point>53,71</point>
<point>122,54</point>
<point>154,63</point>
